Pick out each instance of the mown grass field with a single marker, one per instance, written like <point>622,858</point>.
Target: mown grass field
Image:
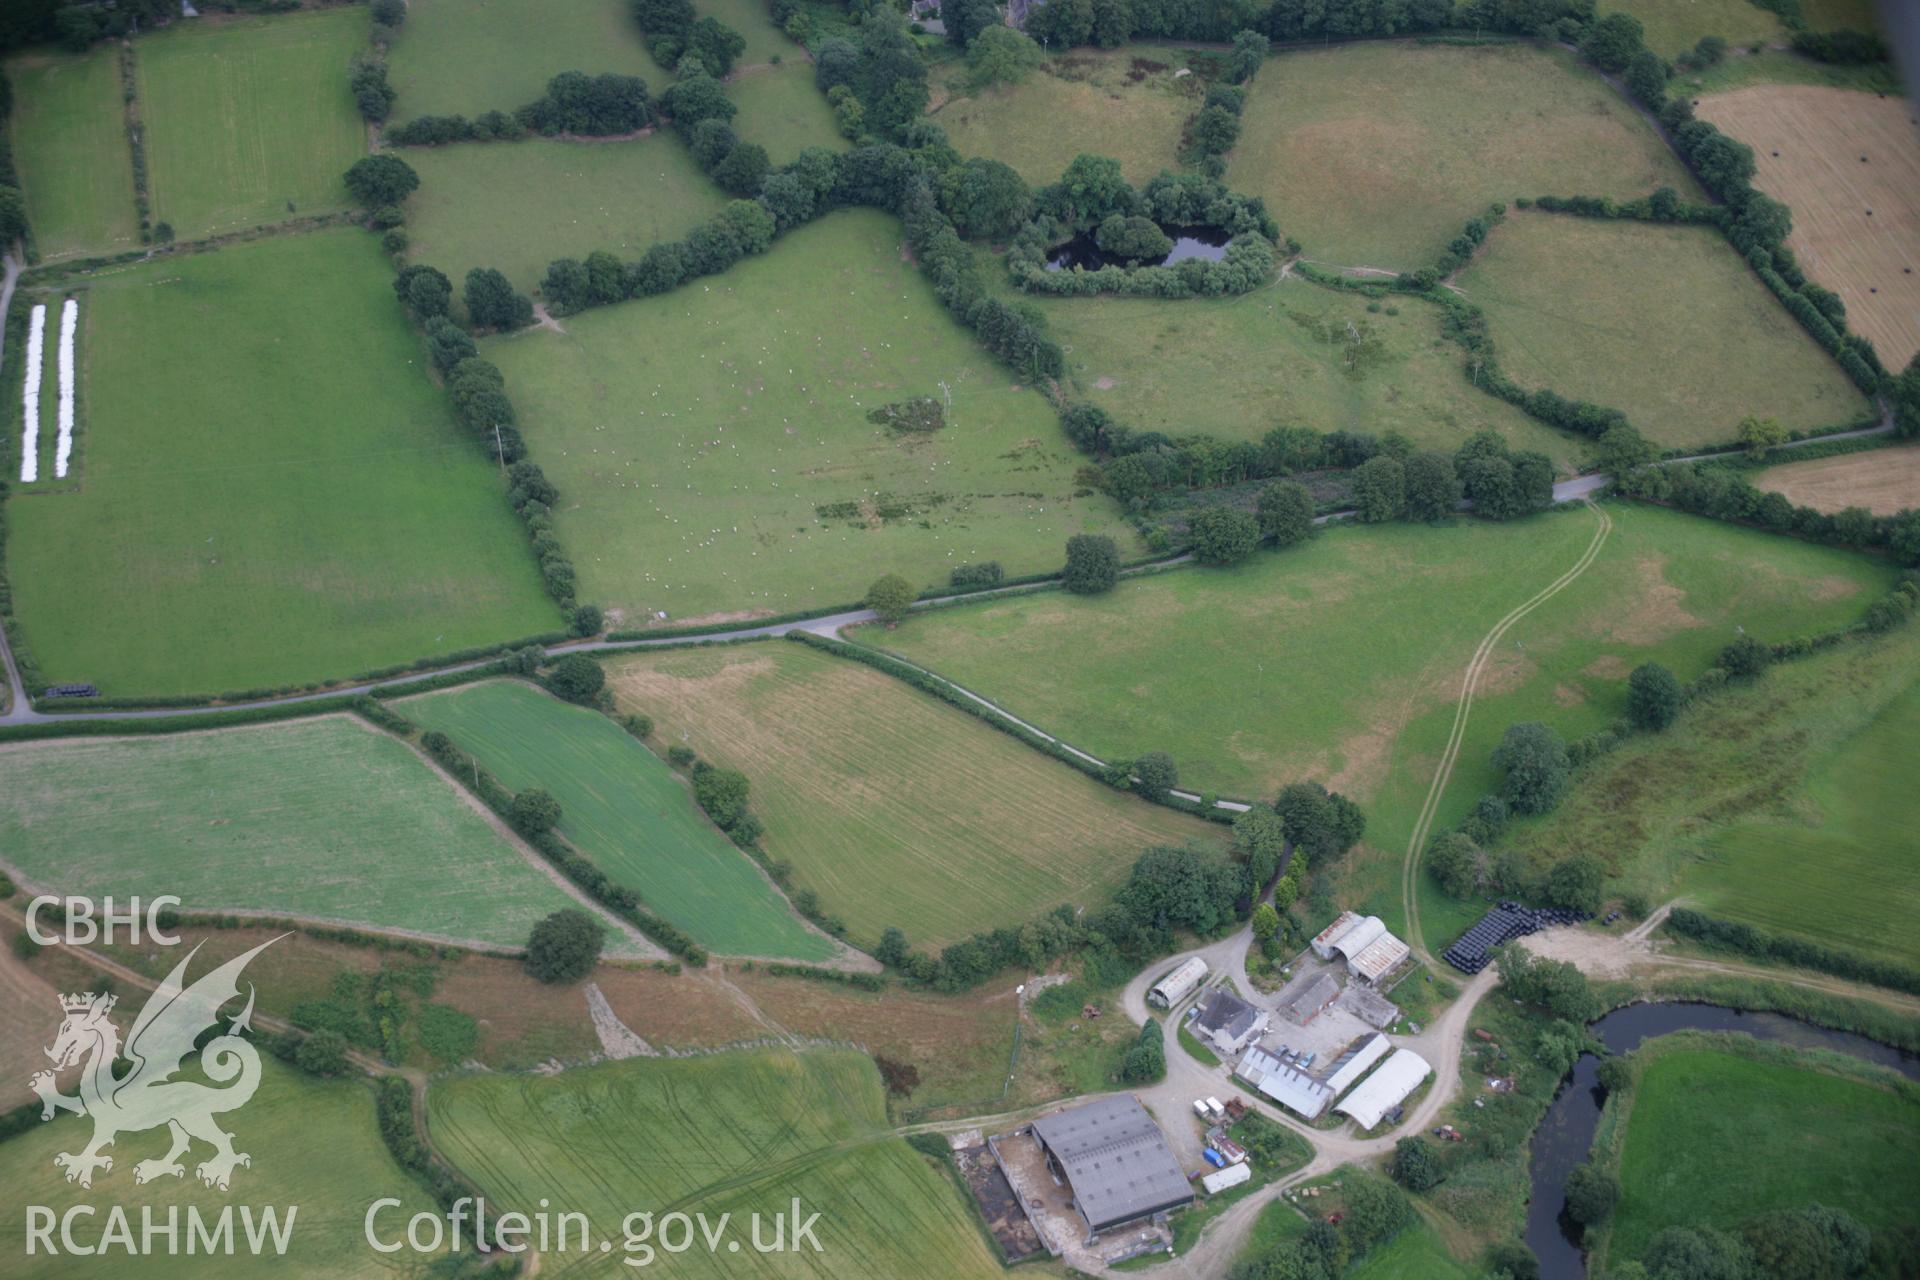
<point>1374,154</point>
<point>1717,1138</point>
<point>783,110</point>
<point>713,450</point>
<point>70,145</point>
<point>1415,1254</point>
<point>314,1144</point>
<point>623,808</point>
<point>1884,481</point>
<point>455,58</point>
<point>1567,301</point>
<point>322,818</point>
<point>737,1133</point>
<point>1309,663</point>
<point>274,491</point>
<point>1124,104</point>
<point>624,197</point>
<point>896,809</point>
<point>1674,26</point>
<point>1285,354</point>
<point>249,122</point>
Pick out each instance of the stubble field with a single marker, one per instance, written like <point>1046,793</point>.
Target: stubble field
<point>1884,481</point>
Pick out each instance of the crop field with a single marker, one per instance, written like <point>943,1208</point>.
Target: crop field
<point>623,808</point>
<point>1374,154</point>
<point>314,1144</point>
<point>1124,104</point>
<point>456,58</point>
<point>1674,26</point>
<point>715,456</point>
<point>621,196</point>
<point>1716,1138</point>
<point>734,1133</point>
<point>323,818</point>
<point>896,809</point>
<point>1567,304</point>
<point>265,463</point>
<point>30,1010</point>
<point>783,110</point>
<point>1834,155</point>
<point>1292,354</point>
<point>70,146</point>
<point>250,122</point>
<point>1884,481</point>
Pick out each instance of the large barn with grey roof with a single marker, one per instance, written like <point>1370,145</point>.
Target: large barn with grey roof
<point>1114,1157</point>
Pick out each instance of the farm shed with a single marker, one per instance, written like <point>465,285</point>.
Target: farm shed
<point>1116,1161</point>
<point>1363,942</point>
<point>1386,1088</point>
<point>1314,996</point>
<point>1231,1176</point>
<point>1286,1084</point>
<point>1179,984</point>
<point>1227,1022</point>
<point>1351,1065</point>
<point>1323,941</point>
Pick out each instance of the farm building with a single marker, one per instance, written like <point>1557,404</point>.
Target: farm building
<point>1225,1021</point>
<point>1363,942</point>
<point>1285,1083</point>
<point>1351,1065</point>
<point>1310,1000</point>
<point>1179,984</point>
<point>1323,941</point>
<point>1116,1160</point>
<point>1386,1088</point>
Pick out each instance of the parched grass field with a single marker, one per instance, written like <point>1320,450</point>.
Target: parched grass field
<point>1570,305</point>
<point>1808,142</point>
<point>324,818</point>
<point>314,1144</point>
<point>274,490</point>
<point>249,122</point>
<point>713,450</point>
<point>1674,26</point>
<point>736,1133</point>
<point>1884,481</point>
<point>70,144</point>
<point>783,110</point>
<point>1290,354</point>
<point>453,57</point>
<point>1124,104</point>
<point>517,206</point>
<point>1374,154</point>
<point>623,808</point>
<point>897,809</point>
<point>1716,1138</point>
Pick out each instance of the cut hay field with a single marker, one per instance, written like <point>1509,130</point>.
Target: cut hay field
<point>1306,663</point>
<point>274,491</point>
<point>324,818</point>
<point>1718,1137</point>
<point>897,809</point>
<point>783,110</point>
<point>713,450</point>
<point>620,196</point>
<point>736,1133</point>
<point>1374,154</point>
<point>1675,26</point>
<point>1124,104</point>
<point>1282,355</point>
<point>250,122</point>
<point>314,1144</point>
<point>70,146</point>
<point>1883,481</point>
<point>1568,304</point>
<point>1807,142</point>
<point>624,809</point>
<point>458,58</point>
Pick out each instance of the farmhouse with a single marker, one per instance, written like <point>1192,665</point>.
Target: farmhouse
<point>1363,942</point>
<point>1225,1021</point>
<point>1116,1161</point>
<point>1386,1088</point>
<point>1179,984</point>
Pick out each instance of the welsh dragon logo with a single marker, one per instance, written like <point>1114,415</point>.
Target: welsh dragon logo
<point>147,1096</point>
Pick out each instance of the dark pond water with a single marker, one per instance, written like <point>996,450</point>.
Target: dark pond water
<point>1188,242</point>
<point>1566,1134</point>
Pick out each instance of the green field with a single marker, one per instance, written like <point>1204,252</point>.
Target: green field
<point>620,196</point>
<point>896,809</point>
<point>320,818</point>
<point>250,122</point>
<point>1674,26</point>
<point>1567,303</point>
<point>1716,1138</point>
<point>754,21</point>
<point>314,1145</point>
<point>737,1133</point>
<point>1415,1254</point>
<point>1291,354</point>
<point>713,450</point>
<point>274,490</point>
<point>623,808</point>
<point>458,58</point>
<point>1374,154</point>
<point>783,111</point>
<point>1088,102</point>
<point>70,144</point>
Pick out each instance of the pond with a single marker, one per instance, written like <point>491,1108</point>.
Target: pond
<point>1188,242</point>
<point>1566,1133</point>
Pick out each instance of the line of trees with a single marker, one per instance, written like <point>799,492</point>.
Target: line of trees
<point>606,105</point>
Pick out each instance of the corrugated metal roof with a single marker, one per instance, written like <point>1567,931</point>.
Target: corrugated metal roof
<point>1116,1159</point>
<point>1363,935</point>
<point>1379,957</point>
<point>1354,1063</point>
<point>1386,1088</point>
